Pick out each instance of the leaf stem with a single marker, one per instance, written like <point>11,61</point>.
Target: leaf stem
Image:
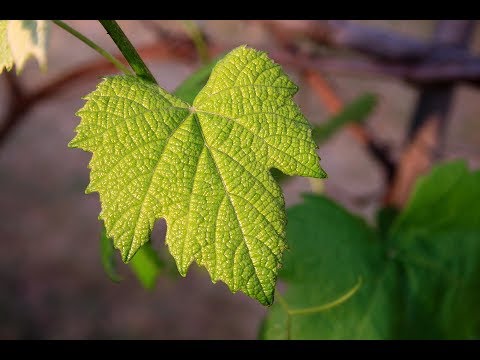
<point>94,46</point>
<point>128,50</point>
<point>198,39</point>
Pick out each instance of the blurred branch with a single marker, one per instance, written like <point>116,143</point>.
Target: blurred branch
<point>16,106</point>
<point>429,120</point>
<point>389,53</point>
<point>367,40</point>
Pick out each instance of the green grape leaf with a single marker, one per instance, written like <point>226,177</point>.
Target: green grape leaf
<point>20,40</point>
<point>204,167</point>
<point>338,284</point>
<point>418,274</point>
<point>437,238</point>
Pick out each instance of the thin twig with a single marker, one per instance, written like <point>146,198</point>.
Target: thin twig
<point>198,39</point>
<point>94,46</point>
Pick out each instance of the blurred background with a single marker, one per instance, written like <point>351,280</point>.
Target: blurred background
<point>424,76</point>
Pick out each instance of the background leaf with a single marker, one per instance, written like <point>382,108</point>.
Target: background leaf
<point>191,86</point>
<point>437,239</point>
<point>22,39</point>
<point>420,282</point>
<point>331,251</point>
<point>356,111</point>
<point>146,264</point>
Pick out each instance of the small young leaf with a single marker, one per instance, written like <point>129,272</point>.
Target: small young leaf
<point>356,111</point>
<point>20,40</point>
<point>204,168</point>
<point>146,265</point>
<point>190,87</point>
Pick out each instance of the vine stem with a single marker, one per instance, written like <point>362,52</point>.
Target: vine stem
<point>198,40</point>
<point>128,50</point>
<point>94,46</point>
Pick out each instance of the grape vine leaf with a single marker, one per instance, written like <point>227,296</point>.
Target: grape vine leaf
<point>203,167</point>
<point>20,40</point>
<point>437,239</point>
<point>338,284</point>
<point>146,264</point>
<point>420,281</point>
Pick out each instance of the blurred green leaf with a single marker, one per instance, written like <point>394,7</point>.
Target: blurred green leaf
<point>449,197</point>
<point>331,253</point>
<point>189,88</point>
<point>357,111</point>
<point>437,239</point>
<point>195,33</point>
<point>385,218</point>
<point>146,265</point>
<point>420,281</point>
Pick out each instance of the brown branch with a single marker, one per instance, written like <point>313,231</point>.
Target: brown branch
<point>389,53</point>
<point>427,128</point>
<point>416,159</point>
<point>420,74</point>
<point>374,42</point>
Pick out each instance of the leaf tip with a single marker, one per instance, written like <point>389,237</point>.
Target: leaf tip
<point>267,300</point>
<point>323,173</point>
<point>73,143</point>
